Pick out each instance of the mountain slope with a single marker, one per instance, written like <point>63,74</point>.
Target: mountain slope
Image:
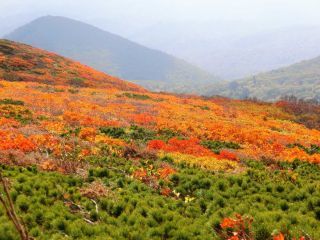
<point>20,62</point>
<point>108,160</point>
<point>110,53</point>
<point>301,80</point>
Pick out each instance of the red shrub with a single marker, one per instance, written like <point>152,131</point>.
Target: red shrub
<point>224,154</point>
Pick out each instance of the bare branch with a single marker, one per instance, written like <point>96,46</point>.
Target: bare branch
<point>6,201</point>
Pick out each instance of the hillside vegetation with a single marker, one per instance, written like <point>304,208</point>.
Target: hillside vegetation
<point>301,80</point>
<point>19,62</point>
<point>109,160</point>
<point>111,54</point>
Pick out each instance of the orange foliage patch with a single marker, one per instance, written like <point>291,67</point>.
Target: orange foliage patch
<point>142,119</point>
<point>165,172</point>
<point>190,146</point>
<point>19,142</point>
<point>228,223</point>
<point>64,95</point>
<point>224,154</point>
<point>278,237</point>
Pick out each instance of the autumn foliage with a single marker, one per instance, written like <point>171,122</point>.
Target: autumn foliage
<point>238,228</point>
<point>64,117</point>
<point>23,63</point>
<point>262,130</point>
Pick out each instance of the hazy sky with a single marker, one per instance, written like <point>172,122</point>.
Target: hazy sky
<point>125,15</point>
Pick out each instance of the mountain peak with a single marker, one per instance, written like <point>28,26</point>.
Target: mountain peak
<point>20,62</point>
<point>111,53</point>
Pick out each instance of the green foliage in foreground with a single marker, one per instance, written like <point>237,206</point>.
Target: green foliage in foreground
<point>284,199</point>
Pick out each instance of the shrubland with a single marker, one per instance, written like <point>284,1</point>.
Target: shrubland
<point>99,161</point>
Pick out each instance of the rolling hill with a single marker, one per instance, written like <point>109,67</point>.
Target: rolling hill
<point>301,80</point>
<point>87,156</point>
<point>111,54</point>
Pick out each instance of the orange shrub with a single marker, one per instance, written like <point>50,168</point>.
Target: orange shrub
<point>9,141</point>
<point>142,118</point>
<point>224,154</point>
<point>191,146</point>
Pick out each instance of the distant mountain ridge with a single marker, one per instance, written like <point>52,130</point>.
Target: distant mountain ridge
<point>301,80</point>
<point>231,50</point>
<point>112,54</point>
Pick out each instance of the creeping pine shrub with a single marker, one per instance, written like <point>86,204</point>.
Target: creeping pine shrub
<point>313,149</point>
<point>114,132</point>
<point>73,91</point>
<point>11,102</point>
<point>142,134</point>
<point>217,146</point>
<point>16,112</point>
<point>138,133</point>
<point>136,96</point>
<point>133,133</point>
<point>167,134</point>
<point>77,82</point>
<point>11,77</point>
<point>262,233</point>
<point>132,209</point>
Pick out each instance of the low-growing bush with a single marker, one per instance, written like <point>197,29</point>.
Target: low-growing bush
<point>11,102</point>
<point>217,146</point>
<point>53,205</point>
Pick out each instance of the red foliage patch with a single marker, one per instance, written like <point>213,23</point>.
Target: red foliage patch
<point>191,146</point>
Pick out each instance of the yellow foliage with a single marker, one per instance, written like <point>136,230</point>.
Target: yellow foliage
<point>208,163</point>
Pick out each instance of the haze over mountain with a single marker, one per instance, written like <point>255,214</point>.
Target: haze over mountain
<point>301,80</point>
<point>233,49</point>
<point>111,54</point>
<point>232,39</point>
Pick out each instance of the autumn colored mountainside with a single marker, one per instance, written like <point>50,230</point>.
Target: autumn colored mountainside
<point>105,159</point>
<point>112,54</point>
<point>20,62</point>
<point>259,130</point>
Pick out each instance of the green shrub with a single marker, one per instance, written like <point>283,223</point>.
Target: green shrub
<point>52,206</point>
<point>136,96</point>
<point>11,102</point>
<point>262,233</point>
<point>77,82</point>
<point>217,146</point>
<point>114,132</point>
<point>73,91</point>
<point>284,206</point>
<point>141,134</point>
<point>313,149</point>
<point>317,213</point>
